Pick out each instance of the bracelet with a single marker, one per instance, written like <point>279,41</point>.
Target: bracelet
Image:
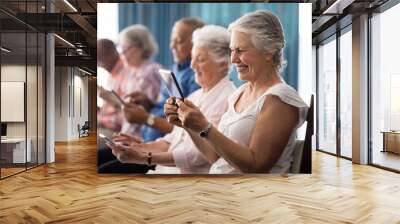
<point>149,158</point>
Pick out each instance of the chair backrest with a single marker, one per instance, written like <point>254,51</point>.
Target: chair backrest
<point>305,166</point>
<point>86,125</point>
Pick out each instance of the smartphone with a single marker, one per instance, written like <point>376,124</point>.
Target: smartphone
<point>170,81</point>
<point>107,139</point>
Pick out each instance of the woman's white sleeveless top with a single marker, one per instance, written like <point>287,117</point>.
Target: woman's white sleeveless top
<point>239,126</point>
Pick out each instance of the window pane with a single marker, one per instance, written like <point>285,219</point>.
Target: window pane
<point>31,97</point>
<point>327,97</point>
<point>31,85</point>
<point>345,94</point>
<point>15,150</point>
<point>41,98</point>
<point>385,84</point>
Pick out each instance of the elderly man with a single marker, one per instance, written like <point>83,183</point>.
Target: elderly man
<point>181,46</point>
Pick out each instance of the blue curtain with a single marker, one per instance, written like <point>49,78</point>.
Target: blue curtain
<point>160,17</point>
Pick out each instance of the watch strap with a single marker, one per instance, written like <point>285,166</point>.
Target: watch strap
<point>149,157</point>
<point>205,131</point>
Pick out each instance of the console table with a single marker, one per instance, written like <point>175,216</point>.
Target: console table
<point>391,141</point>
<point>13,150</point>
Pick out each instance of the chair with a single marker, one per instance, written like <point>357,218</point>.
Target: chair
<point>302,149</point>
<point>84,130</point>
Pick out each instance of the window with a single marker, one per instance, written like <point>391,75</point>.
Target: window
<point>385,89</point>
<point>346,94</point>
<point>22,65</point>
<point>327,96</point>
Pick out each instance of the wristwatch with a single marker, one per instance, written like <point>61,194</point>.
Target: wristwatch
<point>149,156</point>
<point>205,131</point>
<point>150,120</point>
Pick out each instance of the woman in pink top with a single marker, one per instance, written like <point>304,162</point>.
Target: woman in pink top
<point>211,63</point>
<point>138,47</point>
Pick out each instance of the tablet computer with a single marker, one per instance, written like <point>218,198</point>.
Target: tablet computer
<point>107,140</point>
<point>171,83</point>
<point>111,96</point>
<point>117,99</point>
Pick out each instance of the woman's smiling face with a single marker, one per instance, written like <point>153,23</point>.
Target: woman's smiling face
<point>249,61</point>
<point>205,67</point>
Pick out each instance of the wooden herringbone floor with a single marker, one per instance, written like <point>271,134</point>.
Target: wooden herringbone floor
<point>70,191</point>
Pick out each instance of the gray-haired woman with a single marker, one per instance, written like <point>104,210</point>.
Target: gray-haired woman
<point>211,63</point>
<point>257,133</point>
<point>138,46</point>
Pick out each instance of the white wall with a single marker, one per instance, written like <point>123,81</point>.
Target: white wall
<point>306,85</point>
<point>80,96</point>
<point>16,73</point>
<point>61,103</point>
<point>69,85</point>
<point>33,126</point>
<point>107,30</point>
<point>108,21</point>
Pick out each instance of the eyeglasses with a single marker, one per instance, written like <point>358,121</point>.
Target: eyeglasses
<point>121,50</point>
<point>180,40</point>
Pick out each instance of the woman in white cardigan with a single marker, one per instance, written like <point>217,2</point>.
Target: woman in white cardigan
<point>211,63</point>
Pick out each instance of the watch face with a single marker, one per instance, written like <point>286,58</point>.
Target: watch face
<point>204,133</point>
<point>150,120</point>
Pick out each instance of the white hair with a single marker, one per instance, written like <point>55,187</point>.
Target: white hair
<point>140,36</point>
<point>216,39</point>
<point>266,33</point>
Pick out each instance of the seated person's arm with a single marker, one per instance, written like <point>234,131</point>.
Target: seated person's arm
<point>138,115</point>
<point>204,147</point>
<point>271,133</point>
<point>140,98</point>
<point>138,153</point>
<point>185,156</point>
<point>163,158</point>
<point>160,154</point>
<point>159,145</point>
<point>170,110</point>
<point>162,124</point>
<point>156,146</point>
